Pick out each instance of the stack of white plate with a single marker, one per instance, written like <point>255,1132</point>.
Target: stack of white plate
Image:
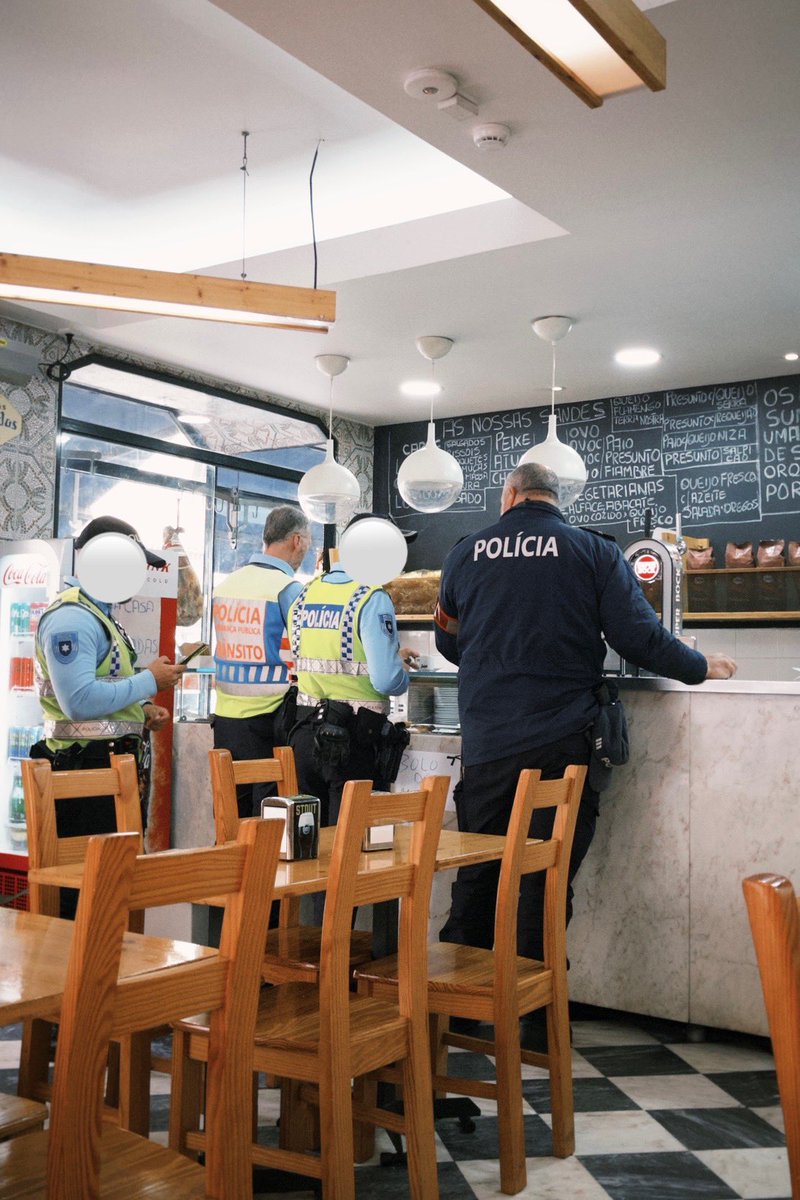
<point>445,707</point>
<point>420,706</point>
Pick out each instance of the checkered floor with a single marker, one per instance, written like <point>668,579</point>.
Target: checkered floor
<point>657,1118</point>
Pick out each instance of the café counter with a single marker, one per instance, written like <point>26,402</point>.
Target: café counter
<point>709,796</point>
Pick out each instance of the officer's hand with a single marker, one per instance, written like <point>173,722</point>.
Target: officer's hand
<point>165,672</point>
<point>155,717</point>
<point>720,666</point>
<point>409,657</point>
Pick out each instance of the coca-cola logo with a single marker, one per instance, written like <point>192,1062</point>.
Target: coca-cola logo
<point>25,575</point>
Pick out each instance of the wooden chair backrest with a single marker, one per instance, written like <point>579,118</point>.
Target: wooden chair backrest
<point>520,859</point>
<point>411,882</point>
<point>45,788</point>
<point>774,913</point>
<point>96,1006</point>
<point>226,774</point>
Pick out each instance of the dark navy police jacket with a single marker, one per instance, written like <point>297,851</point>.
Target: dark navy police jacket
<point>523,609</point>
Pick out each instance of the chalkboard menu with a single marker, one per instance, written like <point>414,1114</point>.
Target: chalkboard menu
<point>727,457</point>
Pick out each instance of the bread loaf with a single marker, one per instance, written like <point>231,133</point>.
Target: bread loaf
<point>415,594</point>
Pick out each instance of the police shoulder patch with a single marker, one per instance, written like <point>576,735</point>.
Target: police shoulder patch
<point>387,624</point>
<point>598,532</point>
<point>64,646</point>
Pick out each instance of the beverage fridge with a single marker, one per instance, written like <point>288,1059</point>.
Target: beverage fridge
<point>31,573</point>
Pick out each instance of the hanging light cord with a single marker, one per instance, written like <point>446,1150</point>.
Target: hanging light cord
<point>243,169</point>
<point>433,365</point>
<point>311,203</point>
<point>553,383</point>
<point>330,407</point>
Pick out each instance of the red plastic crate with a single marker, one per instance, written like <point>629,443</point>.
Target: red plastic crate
<point>13,884</point>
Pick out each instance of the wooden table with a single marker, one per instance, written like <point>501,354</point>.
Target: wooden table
<point>34,951</point>
<point>306,876</point>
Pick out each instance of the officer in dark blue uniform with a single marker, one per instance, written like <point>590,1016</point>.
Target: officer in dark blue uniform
<point>524,609</point>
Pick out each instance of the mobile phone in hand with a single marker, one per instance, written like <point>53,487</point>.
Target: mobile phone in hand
<point>201,649</point>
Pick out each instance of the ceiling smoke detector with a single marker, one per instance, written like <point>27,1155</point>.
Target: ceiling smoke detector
<point>491,137</point>
<point>430,83</point>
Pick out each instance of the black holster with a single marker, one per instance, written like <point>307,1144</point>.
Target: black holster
<point>393,740</point>
<point>285,718</point>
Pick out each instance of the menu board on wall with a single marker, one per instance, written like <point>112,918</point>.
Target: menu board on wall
<point>727,457</point>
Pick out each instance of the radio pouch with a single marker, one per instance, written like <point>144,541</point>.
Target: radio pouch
<point>285,718</point>
<point>332,738</point>
<point>608,737</point>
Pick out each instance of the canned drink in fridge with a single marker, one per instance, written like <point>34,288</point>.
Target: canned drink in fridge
<point>38,607</point>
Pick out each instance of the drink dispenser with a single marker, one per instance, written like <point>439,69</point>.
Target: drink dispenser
<point>659,570</point>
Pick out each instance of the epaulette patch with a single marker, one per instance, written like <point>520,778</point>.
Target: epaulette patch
<point>608,536</point>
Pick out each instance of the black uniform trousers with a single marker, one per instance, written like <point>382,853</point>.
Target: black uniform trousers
<point>248,737</point>
<point>484,800</point>
<point>86,816</point>
<point>327,782</point>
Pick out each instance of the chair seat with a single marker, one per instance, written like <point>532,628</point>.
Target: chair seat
<point>292,955</point>
<point>19,1115</point>
<point>288,1019</point>
<point>456,973</point>
<point>130,1167</point>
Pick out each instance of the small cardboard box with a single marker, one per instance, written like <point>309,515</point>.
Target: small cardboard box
<point>301,824</point>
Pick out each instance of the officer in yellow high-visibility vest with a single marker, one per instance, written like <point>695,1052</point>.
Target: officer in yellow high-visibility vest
<point>348,663</point>
<point>94,698</point>
<point>251,650</point>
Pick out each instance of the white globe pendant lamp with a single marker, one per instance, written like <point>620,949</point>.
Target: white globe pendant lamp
<point>430,479</point>
<point>552,452</point>
<point>329,492</point>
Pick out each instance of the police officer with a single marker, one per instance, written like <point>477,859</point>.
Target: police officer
<point>251,649</point>
<point>347,659</point>
<point>524,608</point>
<point>93,698</point>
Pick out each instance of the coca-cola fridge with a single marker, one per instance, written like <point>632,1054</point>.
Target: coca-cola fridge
<point>31,573</point>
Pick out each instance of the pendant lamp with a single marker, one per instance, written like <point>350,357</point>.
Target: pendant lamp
<point>552,452</point>
<point>430,479</point>
<point>329,492</point>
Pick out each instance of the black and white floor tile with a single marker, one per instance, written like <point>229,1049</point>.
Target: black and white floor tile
<point>657,1117</point>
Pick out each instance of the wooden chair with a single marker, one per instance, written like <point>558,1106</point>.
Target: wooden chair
<point>129,1092</point>
<point>774,913</point>
<point>499,987</point>
<point>83,1158</point>
<point>19,1115</point>
<point>327,1035</point>
<point>292,951</point>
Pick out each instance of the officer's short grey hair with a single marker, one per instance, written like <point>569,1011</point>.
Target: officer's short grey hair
<point>283,522</point>
<point>534,477</point>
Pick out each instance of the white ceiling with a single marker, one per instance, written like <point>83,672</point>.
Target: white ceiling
<point>665,219</point>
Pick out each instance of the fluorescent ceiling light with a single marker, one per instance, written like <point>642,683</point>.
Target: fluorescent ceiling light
<point>637,356</point>
<point>193,419</point>
<point>420,388</point>
<point>595,47</point>
<point>161,293</point>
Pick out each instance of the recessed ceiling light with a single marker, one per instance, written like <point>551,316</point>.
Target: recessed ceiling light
<point>420,388</point>
<point>791,356</point>
<point>193,419</point>
<point>637,356</point>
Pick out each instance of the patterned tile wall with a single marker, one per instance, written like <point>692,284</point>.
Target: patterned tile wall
<point>27,464</point>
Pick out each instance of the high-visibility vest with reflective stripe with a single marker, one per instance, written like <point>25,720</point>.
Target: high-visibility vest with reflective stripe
<point>60,730</point>
<point>251,654</point>
<point>330,659</point>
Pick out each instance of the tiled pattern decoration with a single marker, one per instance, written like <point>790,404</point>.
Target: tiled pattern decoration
<point>28,463</point>
<point>656,1118</point>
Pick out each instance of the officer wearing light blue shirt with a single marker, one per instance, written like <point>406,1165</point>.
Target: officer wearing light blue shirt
<point>74,644</point>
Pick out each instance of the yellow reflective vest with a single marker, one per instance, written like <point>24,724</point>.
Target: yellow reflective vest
<point>60,731</point>
<point>251,652</point>
<point>330,660</point>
